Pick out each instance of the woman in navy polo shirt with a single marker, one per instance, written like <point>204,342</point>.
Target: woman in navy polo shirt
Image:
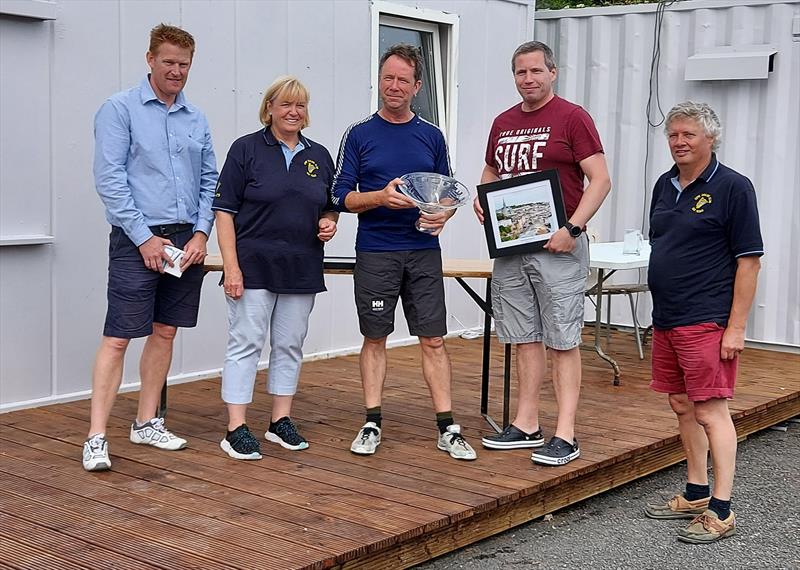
<point>273,216</point>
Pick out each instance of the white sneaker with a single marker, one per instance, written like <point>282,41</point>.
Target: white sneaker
<point>154,433</point>
<point>454,443</point>
<point>95,453</point>
<point>367,440</point>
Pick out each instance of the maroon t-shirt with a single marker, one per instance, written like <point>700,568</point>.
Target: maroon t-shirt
<point>558,135</point>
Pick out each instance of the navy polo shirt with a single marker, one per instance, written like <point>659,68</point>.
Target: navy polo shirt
<point>276,211</point>
<point>696,235</point>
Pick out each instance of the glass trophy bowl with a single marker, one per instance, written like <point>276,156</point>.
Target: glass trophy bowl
<point>433,193</point>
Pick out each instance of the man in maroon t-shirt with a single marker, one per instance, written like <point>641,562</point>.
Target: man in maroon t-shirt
<point>538,297</point>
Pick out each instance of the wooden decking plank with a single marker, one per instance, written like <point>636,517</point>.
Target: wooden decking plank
<point>144,475</point>
<point>240,538</point>
<point>203,458</point>
<point>26,447</point>
<point>173,528</point>
<point>129,543</point>
<point>332,501</point>
<point>23,556</point>
<point>64,551</point>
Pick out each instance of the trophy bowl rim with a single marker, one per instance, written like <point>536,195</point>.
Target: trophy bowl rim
<point>436,206</point>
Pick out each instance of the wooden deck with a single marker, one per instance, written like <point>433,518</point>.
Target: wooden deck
<point>324,507</point>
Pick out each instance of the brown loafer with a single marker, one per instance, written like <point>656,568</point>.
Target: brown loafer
<point>677,508</point>
<point>707,528</point>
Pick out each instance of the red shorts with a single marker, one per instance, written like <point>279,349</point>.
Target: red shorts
<point>687,360</point>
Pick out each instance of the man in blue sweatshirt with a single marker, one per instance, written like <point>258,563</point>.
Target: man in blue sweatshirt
<point>393,259</point>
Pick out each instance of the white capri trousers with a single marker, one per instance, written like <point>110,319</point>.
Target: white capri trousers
<point>250,318</point>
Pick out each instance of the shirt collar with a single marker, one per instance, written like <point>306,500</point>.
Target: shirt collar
<point>149,95</point>
<point>706,175</point>
<point>270,139</point>
<point>711,169</point>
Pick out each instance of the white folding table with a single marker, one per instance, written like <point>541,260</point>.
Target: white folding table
<point>607,258</point>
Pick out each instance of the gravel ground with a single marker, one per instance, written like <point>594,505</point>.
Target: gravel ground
<point>610,531</point>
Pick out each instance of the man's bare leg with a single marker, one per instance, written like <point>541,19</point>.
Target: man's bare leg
<point>373,370</point>
<point>567,384</point>
<point>531,367</point>
<point>436,371</point>
<point>153,369</point>
<point>106,378</point>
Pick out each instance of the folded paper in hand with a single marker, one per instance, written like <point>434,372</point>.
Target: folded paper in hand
<point>177,256</point>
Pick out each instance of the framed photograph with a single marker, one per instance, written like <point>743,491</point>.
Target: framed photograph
<point>521,213</point>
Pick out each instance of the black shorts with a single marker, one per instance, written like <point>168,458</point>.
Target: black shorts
<point>137,296</point>
<point>414,276</point>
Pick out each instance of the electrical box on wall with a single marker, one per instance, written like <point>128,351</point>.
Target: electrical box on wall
<point>731,62</point>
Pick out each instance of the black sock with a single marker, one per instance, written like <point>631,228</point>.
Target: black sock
<point>374,415</point>
<point>722,508</point>
<point>444,419</point>
<point>694,492</point>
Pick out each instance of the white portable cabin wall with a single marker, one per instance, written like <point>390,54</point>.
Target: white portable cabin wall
<point>58,63</point>
<point>604,57</point>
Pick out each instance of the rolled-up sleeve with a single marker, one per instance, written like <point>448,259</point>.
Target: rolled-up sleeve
<point>208,184</point>
<point>112,145</point>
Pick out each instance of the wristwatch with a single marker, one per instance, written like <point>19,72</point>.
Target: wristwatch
<point>574,231</point>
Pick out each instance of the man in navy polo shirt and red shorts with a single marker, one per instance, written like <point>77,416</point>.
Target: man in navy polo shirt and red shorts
<point>538,298</point>
<point>393,259</point>
<point>706,245</point>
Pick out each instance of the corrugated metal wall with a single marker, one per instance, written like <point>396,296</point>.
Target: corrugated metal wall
<point>604,57</point>
<point>55,74</point>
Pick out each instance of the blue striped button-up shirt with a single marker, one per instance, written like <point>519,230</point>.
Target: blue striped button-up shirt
<point>153,165</point>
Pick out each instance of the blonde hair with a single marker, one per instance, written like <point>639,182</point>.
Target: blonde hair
<point>288,87</point>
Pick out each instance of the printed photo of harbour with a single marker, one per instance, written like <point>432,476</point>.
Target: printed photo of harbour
<point>524,221</point>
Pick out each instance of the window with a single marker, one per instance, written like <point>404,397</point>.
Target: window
<point>429,102</point>
<point>436,34</point>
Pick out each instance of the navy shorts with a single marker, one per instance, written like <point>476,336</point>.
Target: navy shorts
<point>415,277</point>
<point>138,297</point>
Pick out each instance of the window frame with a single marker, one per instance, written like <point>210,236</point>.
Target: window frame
<point>438,80</point>
<point>445,47</point>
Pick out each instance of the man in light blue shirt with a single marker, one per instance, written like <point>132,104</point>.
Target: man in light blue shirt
<point>155,171</point>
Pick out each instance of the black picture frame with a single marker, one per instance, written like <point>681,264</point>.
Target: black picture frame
<point>520,214</point>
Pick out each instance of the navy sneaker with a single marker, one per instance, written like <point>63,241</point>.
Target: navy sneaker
<point>241,444</point>
<point>284,433</point>
<point>557,452</point>
<point>513,438</point>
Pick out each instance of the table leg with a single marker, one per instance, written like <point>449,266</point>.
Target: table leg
<point>486,305</point>
<point>162,406</point>
<point>598,317</point>
<point>487,348</point>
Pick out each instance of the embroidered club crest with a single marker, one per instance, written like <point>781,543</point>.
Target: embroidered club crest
<point>700,203</point>
<point>311,168</point>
